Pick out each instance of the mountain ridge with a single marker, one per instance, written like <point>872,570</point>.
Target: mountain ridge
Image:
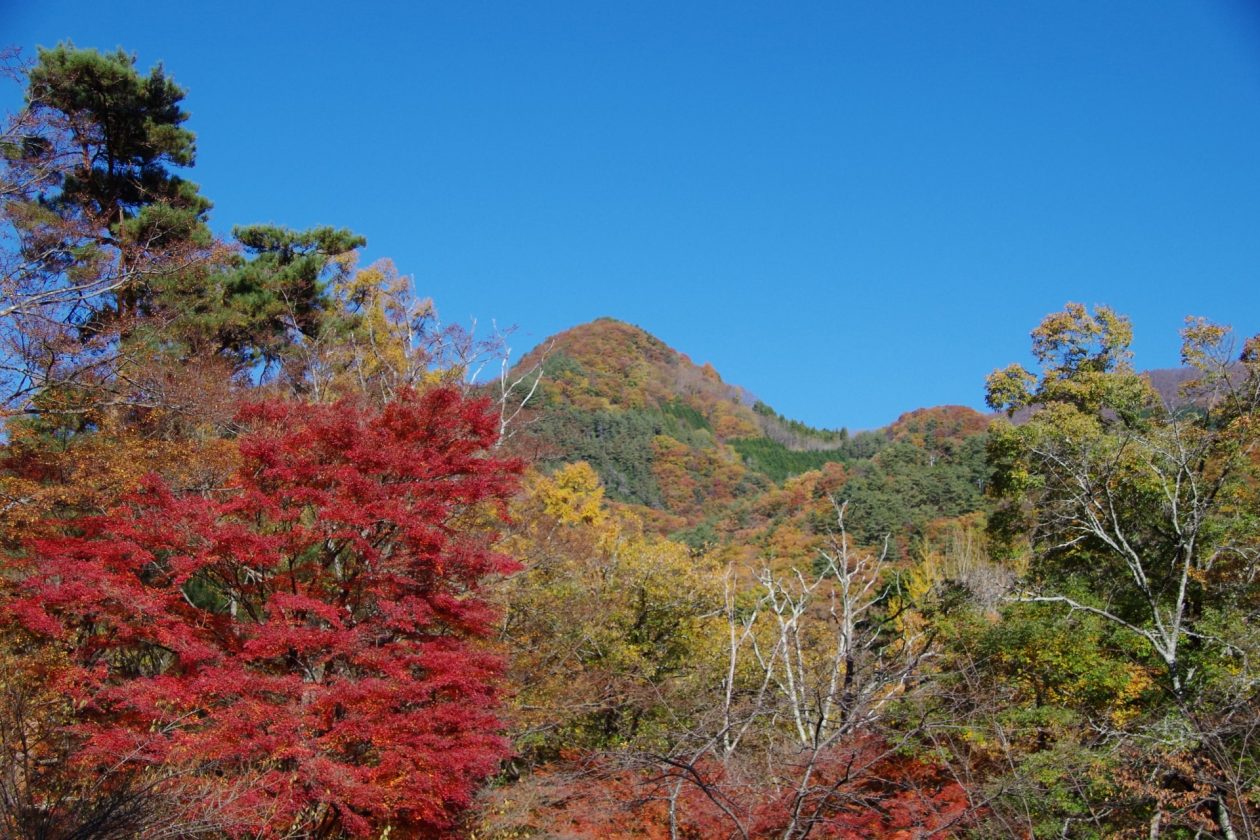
<point>611,338</point>
<point>676,440</point>
<point>615,361</point>
<point>693,452</point>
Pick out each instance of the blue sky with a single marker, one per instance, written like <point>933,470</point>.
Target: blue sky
<point>851,209</point>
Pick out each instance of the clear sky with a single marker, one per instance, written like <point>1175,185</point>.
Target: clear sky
<point>852,209</point>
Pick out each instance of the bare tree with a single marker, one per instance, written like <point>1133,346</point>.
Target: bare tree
<point>810,668</point>
<point>516,387</point>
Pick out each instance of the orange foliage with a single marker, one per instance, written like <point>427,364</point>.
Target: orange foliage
<point>930,427</point>
<point>695,481</point>
<point>730,422</point>
<point>39,481</point>
<point>859,791</point>
<point>610,364</point>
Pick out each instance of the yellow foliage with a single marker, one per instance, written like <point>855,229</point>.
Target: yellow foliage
<point>572,494</point>
<point>381,336</point>
<point>1127,706</point>
<point>603,620</point>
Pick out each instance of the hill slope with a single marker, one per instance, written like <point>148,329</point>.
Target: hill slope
<point>699,455</point>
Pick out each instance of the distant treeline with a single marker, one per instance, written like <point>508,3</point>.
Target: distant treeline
<point>780,462</point>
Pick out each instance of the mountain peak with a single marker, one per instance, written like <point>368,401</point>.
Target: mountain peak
<point>610,364</point>
<point>669,435</point>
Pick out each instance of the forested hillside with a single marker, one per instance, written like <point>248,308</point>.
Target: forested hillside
<point>697,454</point>
<point>275,562</point>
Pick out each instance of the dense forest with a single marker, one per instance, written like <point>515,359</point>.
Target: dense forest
<point>276,562</point>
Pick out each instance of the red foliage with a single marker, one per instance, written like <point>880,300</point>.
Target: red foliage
<point>312,627</point>
<point>858,791</point>
<point>865,790</point>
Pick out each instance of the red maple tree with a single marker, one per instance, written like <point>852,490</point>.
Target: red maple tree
<point>313,628</point>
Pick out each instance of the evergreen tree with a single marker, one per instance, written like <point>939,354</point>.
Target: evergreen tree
<point>95,220</point>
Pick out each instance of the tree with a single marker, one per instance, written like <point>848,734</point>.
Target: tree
<point>796,745</point>
<point>310,629</point>
<point>111,265</point>
<point>280,295</point>
<point>1025,709</point>
<point>372,334</point>
<point>865,789</point>
<point>95,217</point>
<point>655,708</point>
<point>602,624</point>
<point>1140,511</point>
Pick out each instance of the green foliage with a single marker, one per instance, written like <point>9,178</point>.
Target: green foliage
<point>1084,362</point>
<point>1018,698</point>
<point>698,538</point>
<point>778,462</point>
<point>132,123</point>
<point>283,287</point>
<point>254,307</point>
<point>663,459</point>
<point>905,486</point>
<point>864,445</point>
<point>687,414</point>
<point>1140,515</point>
<point>800,430</point>
<point>617,444</point>
<point>938,429</point>
<point>892,488</point>
<point>100,144</point>
<point>558,365</point>
<point>1057,662</point>
<point>1009,389</point>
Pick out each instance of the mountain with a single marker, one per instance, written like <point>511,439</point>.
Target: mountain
<point>609,364</point>
<point>700,457</point>
<point>653,424</point>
